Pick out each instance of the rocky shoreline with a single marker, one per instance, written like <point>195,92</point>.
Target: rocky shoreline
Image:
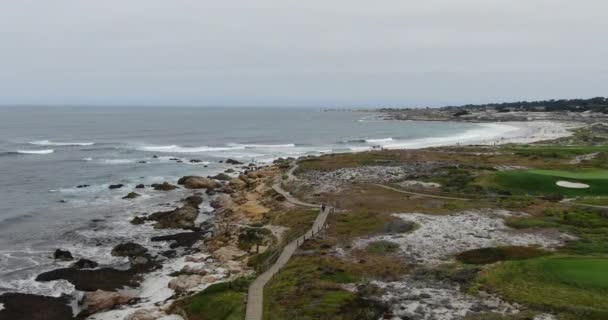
<point>198,251</point>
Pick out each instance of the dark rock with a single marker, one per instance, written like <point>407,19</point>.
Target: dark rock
<point>140,186</point>
<point>195,161</point>
<point>230,170</point>
<point>155,157</point>
<point>174,159</point>
<point>84,264</point>
<point>20,306</point>
<point>232,161</point>
<point>193,201</point>
<point>210,192</point>
<point>132,195</point>
<point>165,186</point>
<point>138,220</point>
<point>183,217</point>
<point>129,249</point>
<point>169,254</point>
<point>116,186</point>
<point>83,186</point>
<point>179,161</point>
<point>107,279</point>
<point>142,161</point>
<point>184,239</point>
<point>62,255</point>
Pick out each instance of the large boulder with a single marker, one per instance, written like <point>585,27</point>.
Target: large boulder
<point>185,282</point>
<point>184,239</point>
<point>116,186</point>
<point>129,249</point>
<point>196,182</point>
<point>221,177</point>
<point>183,217</point>
<point>62,255</point>
<point>96,301</point>
<point>222,201</point>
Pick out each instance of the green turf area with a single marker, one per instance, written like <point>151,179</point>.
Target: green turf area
<point>543,182</point>
<point>587,224</point>
<point>220,301</point>
<point>580,272</point>
<point>491,255</point>
<point>572,285</point>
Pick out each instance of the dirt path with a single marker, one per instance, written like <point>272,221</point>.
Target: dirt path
<point>421,194</point>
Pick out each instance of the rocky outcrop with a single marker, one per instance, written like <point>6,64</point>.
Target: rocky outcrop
<point>165,186</point>
<point>193,201</point>
<point>62,255</point>
<point>20,306</point>
<point>84,264</point>
<point>116,186</point>
<point>234,162</point>
<point>97,301</point>
<point>140,186</point>
<point>186,282</point>
<point>196,182</point>
<point>184,239</point>
<point>132,195</point>
<point>180,218</point>
<point>238,184</point>
<point>146,314</point>
<point>107,279</point>
<point>129,249</point>
<point>138,220</point>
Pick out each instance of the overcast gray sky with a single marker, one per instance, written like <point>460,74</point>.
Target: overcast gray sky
<point>313,52</point>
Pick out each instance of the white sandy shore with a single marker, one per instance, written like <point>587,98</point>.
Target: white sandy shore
<point>493,134</point>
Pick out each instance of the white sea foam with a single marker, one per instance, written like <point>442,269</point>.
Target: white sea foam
<point>263,146</point>
<point>119,161</point>
<point>61,144</point>
<point>379,140</point>
<point>180,149</point>
<point>45,151</point>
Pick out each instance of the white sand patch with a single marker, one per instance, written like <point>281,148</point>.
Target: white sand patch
<point>572,185</point>
<point>440,237</point>
<point>426,300</point>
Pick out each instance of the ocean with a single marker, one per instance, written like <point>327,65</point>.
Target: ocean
<point>56,164</point>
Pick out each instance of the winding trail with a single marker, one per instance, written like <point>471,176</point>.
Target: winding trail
<point>255,296</point>
<point>420,194</point>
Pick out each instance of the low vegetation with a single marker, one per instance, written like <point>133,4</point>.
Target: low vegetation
<point>220,301</point>
<point>491,255</point>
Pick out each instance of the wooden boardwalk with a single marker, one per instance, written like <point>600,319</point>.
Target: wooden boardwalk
<point>255,297</point>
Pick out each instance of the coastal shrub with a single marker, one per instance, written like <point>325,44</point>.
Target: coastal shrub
<point>382,247</point>
<point>491,255</point>
<point>250,237</point>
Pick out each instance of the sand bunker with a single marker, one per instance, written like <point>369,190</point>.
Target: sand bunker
<point>572,185</point>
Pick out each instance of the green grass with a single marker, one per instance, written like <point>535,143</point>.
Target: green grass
<point>220,301</point>
<point>297,220</point>
<point>491,255</point>
<point>573,285</point>
<point>543,182</point>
